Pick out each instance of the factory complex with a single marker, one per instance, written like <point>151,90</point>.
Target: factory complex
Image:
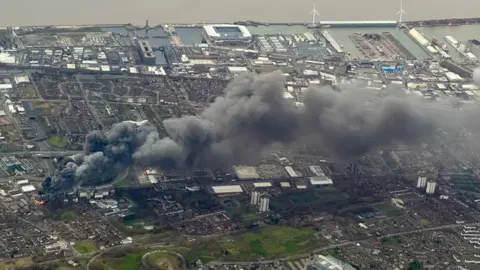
<point>240,145</point>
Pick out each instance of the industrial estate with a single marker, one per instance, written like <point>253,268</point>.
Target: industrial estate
<point>242,145</point>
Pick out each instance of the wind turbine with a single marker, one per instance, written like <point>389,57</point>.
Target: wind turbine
<point>401,12</point>
<point>314,13</point>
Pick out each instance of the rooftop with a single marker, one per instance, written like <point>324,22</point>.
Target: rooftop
<point>227,31</point>
<point>227,189</point>
<point>262,184</point>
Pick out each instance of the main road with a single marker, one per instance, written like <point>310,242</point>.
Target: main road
<point>61,12</point>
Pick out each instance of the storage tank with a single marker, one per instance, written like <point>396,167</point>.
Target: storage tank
<point>418,37</point>
<point>451,40</point>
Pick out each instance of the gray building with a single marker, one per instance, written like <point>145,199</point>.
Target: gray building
<point>146,53</point>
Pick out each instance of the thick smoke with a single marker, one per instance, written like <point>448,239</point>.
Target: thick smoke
<point>251,116</point>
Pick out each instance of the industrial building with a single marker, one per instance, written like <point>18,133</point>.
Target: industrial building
<point>453,67</point>
<point>320,181</point>
<point>319,178</point>
<point>285,185</point>
<point>226,34</point>
<point>328,263</point>
<point>246,172</point>
<point>262,185</point>
<point>264,204</point>
<point>231,189</point>
<point>431,186</point>
<point>419,37</point>
<point>291,172</point>
<point>255,198</point>
<point>146,52</point>
<point>422,182</point>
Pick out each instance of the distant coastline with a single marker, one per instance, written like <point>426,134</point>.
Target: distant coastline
<point>418,23</point>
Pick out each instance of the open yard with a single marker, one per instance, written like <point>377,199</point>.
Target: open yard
<point>164,261</point>
<point>388,209</point>
<point>120,260</point>
<point>58,141</point>
<point>268,242</point>
<point>86,246</point>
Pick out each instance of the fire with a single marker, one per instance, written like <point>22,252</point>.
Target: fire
<point>40,202</point>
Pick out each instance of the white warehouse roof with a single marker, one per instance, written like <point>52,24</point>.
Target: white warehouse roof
<point>22,182</point>
<point>227,189</point>
<point>28,188</point>
<point>285,184</point>
<point>21,79</point>
<point>211,32</point>
<point>321,181</point>
<point>262,184</point>
<point>237,69</point>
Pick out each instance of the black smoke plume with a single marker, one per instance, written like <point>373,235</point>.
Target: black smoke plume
<point>251,116</point>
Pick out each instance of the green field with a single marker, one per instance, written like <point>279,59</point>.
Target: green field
<point>16,263</point>
<point>127,260</point>
<point>388,209</point>
<point>269,242</point>
<point>86,246</point>
<point>164,260</point>
<point>58,141</point>
<point>65,214</point>
<point>392,241</point>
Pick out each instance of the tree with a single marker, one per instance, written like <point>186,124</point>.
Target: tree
<point>415,265</point>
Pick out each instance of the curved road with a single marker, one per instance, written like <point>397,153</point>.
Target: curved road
<point>144,258</point>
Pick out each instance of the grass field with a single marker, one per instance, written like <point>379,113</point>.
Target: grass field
<point>388,209</point>
<point>65,214</point>
<point>269,242</point>
<point>128,260</point>
<point>164,260</point>
<point>391,241</point>
<point>86,246</point>
<point>16,263</point>
<point>58,141</point>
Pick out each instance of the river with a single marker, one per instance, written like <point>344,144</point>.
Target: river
<point>70,12</point>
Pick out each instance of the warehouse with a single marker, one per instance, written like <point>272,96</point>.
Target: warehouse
<point>291,172</point>
<point>222,190</point>
<point>285,185</point>
<point>320,181</point>
<point>262,185</point>
<point>226,34</point>
<point>27,188</point>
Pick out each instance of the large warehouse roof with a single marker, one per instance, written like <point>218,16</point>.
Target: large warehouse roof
<point>323,181</point>
<point>227,31</point>
<point>227,189</point>
<point>262,184</point>
<point>28,188</point>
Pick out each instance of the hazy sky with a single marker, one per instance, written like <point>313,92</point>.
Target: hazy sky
<point>58,12</point>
